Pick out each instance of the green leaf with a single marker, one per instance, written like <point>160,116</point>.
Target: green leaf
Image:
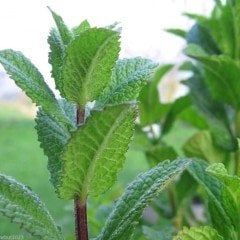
<point>198,233</point>
<point>232,183</point>
<point>30,80</point>
<point>56,56</point>
<point>183,189</point>
<point>164,234</point>
<point>151,110</point>
<point>159,153</point>
<point>177,107</point>
<point>53,136</point>
<point>214,112</point>
<point>88,64</point>
<point>192,116</point>
<point>221,75</point>
<point>65,33</point>
<point>222,207</point>
<point>200,35</point>
<point>178,32</point>
<point>24,208</point>
<point>137,196</point>
<point>83,26</point>
<point>128,78</point>
<point>96,152</point>
<point>201,145</point>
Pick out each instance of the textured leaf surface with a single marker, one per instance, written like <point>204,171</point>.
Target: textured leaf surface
<point>88,64</point>
<point>65,33</point>
<point>138,194</point>
<point>96,152</point>
<point>83,26</point>
<point>53,136</point>
<point>56,56</point>
<point>221,75</point>
<point>198,233</point>
<point>221,204</point>
<point>201,146</point>
<point>30,80</point>
<point>24,208</point>
<point>232,183</point>
<point>128,78</point>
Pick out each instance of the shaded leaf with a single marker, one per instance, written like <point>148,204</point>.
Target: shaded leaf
<point>24,208</point>
<point>159,153</point>
<point>201,145</point>
<point>221,75</point>
<point>222,207</point>
<point>53,136</point>
<point>137,196</point>
<point>151,110</point>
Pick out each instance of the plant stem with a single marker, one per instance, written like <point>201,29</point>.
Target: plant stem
<point>81,228</point>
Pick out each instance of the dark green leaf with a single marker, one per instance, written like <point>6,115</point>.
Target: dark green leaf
<point>201,145</point>
<point>151,110</point>
<point>137,196</point>
<point>24,208</point>
<point>222,207</point>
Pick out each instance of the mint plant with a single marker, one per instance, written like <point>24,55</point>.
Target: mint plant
<point>86,133</point>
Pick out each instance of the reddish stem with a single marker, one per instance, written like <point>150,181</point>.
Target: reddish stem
<point>80,208</point>
<point>81,227</point>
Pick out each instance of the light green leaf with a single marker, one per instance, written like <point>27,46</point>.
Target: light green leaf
<point>137,196</point>
<point>53,136</point>
<point>201,145</point>
<point>83,26</point>
<point>198,233</point>
<point>128,78</point>
<point>65,33</point>
<point>56,56</point>
<point>24,208</point>
<point>30,80</point>
<point>221,75</point>
<point>88,64</point>
<point>222,207</point>
<point>96,152</point>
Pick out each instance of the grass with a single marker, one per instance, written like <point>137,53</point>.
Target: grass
<point>22,158</point>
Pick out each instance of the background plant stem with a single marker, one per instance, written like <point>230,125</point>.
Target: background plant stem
<point>81,227</point>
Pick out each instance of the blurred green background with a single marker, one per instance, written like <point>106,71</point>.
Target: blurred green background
<point>22,158</point>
